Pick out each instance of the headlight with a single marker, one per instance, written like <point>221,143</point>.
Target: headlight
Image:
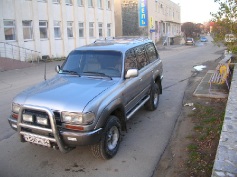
<point>78,118</point>
<point>15,108</point>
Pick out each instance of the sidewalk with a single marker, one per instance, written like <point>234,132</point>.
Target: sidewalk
<point>10,64</point>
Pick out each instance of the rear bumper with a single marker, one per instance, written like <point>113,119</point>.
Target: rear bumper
<point>63,138</point>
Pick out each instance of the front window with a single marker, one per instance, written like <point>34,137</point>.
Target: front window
<point>43,28</point>
<point>57,30</point>
<point>9,29</point>
<point>94,63</point>
<point>70,29</point>
<point>27,30</point>
<point>91,29</point>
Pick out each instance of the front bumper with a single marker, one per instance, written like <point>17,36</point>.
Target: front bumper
<point>63,138</point>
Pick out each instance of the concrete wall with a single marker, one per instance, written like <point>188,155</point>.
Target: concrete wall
<point>226,157</point>
<point>49,11</point>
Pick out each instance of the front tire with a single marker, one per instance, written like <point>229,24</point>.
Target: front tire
<point>153,102</point>
<point>109,144</point>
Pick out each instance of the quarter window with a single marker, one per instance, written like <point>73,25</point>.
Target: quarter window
<point>43,28</point>
<point>9,29</point>
<point>151,52</point>
<point>27,30</point>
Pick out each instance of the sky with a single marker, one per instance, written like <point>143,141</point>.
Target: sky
<point>196,11</point>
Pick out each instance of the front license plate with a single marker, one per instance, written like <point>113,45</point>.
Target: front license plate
<point>37,140</point>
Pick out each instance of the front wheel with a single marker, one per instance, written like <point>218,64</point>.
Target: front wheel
<point>109,144</point>
<point>153,102</point>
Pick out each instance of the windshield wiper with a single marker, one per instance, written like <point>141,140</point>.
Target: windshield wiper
<point>70,72</point>
<point>99,74</point>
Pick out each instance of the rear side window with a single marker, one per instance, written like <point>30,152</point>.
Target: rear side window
<point>130,60</point>
<point>151,52</point>
<point>141,56</point>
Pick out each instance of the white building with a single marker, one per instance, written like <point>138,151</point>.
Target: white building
<point>161,18</point>
<point>53,27</point>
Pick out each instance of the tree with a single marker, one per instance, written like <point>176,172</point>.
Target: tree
<point>188,28</point>
<point>225,22</point>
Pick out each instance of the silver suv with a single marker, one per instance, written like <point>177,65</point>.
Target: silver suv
<point>97,89</point>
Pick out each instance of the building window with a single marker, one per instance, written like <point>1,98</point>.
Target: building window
<point>68,2</point>
<point>108,29</point>
<point>99,4</point>
<point>69,29</point>
<point>91,29</point>
<point>81,29</point>
<point>9,29</point>
<point>100,27</point>
<point>56,1</point>
<point>80,2</point>
<point>57,29</point>
<point>90,3</point>
<point>108,5</point>
<point>43,28</point>
<point>27,29</point>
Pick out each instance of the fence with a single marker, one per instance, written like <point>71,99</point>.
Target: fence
<point>19,53</point>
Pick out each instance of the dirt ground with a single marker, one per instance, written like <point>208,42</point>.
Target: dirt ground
<point>172,163</point>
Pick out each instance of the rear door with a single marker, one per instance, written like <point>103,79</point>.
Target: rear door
<point>136,88</point>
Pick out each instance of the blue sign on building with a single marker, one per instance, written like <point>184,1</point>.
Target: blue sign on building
<point>142,13</point>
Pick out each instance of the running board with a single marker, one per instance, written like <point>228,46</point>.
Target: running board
<point>137,107</point>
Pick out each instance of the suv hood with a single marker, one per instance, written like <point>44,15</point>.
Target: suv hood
<point>67,92</point>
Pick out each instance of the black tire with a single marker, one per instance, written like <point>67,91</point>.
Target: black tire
<point>109,144</point>
<point>153,102</point>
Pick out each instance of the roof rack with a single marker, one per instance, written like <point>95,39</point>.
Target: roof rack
<point>122,39</point>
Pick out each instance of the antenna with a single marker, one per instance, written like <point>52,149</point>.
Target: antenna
<point>45,58</point>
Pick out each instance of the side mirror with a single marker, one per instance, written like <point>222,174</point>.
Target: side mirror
<point>57,68</point>
<point>131,73</point>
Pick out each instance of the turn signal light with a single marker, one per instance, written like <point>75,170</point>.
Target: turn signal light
<point>73,127</point>
<point>15,116</point>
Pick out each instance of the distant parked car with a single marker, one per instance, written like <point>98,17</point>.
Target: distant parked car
<point>203,39</point>
<point>189,41</point>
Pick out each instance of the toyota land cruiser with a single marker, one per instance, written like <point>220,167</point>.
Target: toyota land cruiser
<point>96,90</point>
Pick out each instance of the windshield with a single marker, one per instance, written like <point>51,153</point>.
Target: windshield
<point>103,63</point>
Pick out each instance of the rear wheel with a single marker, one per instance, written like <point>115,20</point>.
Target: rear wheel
<point>153,102</point>
<point>109,144</point>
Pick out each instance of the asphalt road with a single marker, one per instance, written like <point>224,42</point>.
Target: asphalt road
<point>142,145</point>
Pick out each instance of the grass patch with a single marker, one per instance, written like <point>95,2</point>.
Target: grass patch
<point>208,121</point>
